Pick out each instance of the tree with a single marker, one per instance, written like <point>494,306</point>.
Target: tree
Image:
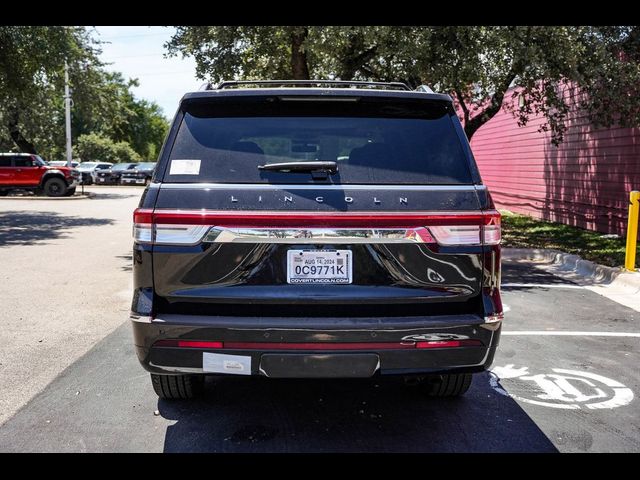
<point>124,153</point>
<point>477,66</point>
<point>97,147</point>
<point>32,84</point>
<point>124,118</point>
<point>246,51</point>
<point>32,71</point>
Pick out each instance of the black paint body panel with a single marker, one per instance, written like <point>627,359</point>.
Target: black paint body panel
<point>239,291</point>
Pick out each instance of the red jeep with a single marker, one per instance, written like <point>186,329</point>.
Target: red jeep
<point>29,172</point>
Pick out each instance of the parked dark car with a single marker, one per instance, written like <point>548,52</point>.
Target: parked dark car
<point>25,171</point>
<point>112,176</point>
<point>316,229</point>
<point>141,175</point>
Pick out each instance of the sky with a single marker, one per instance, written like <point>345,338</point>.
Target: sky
<point>137,52</point>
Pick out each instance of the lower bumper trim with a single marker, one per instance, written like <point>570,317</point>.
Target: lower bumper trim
<point>294,365</point>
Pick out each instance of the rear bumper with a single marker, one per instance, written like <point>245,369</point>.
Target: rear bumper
<point>133,181</point>
<point>316,361</point>
<point>106,180</point>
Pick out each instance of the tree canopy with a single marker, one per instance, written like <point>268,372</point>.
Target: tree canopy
<point>31,94</point>
<point>476,65</point>
<point>97,147</point>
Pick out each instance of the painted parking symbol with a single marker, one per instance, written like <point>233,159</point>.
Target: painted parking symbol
<point>568,389</point>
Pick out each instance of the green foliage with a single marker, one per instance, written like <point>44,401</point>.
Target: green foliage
<point>475,64</point>
<point>125,119</point>
<point>32,78</point>
<point>521,231</point>
<point>31,94</point>
<point>96,147</point>
<point>125,153</point>
<point>93,147</point>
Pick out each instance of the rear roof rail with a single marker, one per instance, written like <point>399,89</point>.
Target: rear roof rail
<point>229,84</point>
<point>424,88</point>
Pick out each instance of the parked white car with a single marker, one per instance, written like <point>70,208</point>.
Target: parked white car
<point>62,163</point>
<point>88,170</point>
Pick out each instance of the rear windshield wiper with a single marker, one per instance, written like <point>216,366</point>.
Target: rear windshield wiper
<point>301,167</point>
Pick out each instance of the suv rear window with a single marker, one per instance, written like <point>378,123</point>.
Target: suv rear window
<point>391,144</point>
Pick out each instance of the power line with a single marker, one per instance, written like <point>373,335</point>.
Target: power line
<point>134,56</point>
<point>131,36</point>
<point>165,73</point>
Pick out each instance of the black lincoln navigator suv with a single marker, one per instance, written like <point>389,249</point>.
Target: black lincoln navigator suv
<point>317,229</point>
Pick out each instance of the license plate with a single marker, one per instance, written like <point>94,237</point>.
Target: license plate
<point>140,181</point>
<point>319,266</point>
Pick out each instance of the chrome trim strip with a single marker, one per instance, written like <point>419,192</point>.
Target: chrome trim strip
<point>317,235</point>
<point>268,186</point>
<point>177,369</point>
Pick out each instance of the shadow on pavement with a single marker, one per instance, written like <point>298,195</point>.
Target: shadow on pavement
<point>22,228</point>
<point>381,415</point>
<point>527,273</point>
<point>112,196</point>
<point>127,267</point>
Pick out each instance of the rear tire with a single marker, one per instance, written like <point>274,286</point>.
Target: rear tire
<point>4,193</point>
<point>177,387</point>
<point>55,187</point>
<point>448,385</point>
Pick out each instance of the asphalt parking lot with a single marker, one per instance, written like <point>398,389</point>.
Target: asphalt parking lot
<point>565,377</point>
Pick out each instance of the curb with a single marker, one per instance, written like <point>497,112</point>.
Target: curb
<point>37,197</point>
<point>576,265</point>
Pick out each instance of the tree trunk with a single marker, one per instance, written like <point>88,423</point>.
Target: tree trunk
<point>22,143</point>
<point>355,57</point>
<point>472,125</point>
<point>299,64</point>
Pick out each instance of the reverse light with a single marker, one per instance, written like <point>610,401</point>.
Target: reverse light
<point>142,225</point>
<point>456,235</point>
<point>180,234</point>
<point>486,231</point>
<point>492,231</point>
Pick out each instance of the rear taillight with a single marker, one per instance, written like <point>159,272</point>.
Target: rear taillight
<point>179,234</point>
<point>146,229</point>
<point>485,230</point>
<point>180,227</point>
<point>143,225</point>
<point>492,233</point>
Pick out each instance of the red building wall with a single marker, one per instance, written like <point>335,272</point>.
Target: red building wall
<point>584,182</point>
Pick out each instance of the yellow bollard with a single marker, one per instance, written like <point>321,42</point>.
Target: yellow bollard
<point>632,230</point>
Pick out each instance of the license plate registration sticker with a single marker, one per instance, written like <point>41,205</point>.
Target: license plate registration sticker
<point>319,266</point>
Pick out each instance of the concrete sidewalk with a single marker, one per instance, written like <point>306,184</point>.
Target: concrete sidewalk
<point>614,283</point>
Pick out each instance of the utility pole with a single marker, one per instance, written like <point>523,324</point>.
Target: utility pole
<point>67,114</point>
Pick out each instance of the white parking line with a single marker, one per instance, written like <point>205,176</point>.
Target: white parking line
<point>567,333</point>
<point>540,285</point>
